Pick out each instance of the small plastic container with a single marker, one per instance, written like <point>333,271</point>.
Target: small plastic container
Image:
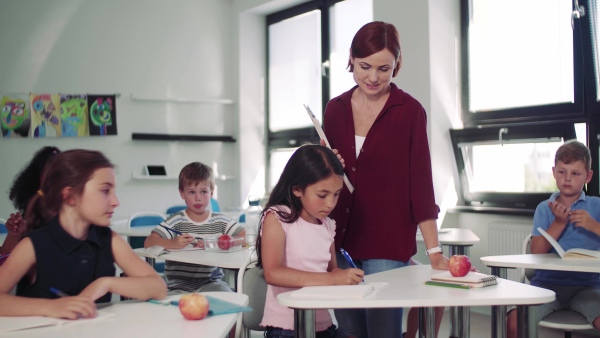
<point>212,244</point>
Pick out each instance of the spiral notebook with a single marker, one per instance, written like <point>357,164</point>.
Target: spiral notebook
<point>472,279</point>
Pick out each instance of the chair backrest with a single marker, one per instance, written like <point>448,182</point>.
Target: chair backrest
<point>3,229</point>
<point>214,204</point>
<point>251,281</point>
<point>143,219</point>
<point>527,274</point>
<point>175,208</point>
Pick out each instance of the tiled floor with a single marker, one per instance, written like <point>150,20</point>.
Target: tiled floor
<point>480,327</point>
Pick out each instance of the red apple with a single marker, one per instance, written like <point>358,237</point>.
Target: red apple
<point>225,242</point>
<point>459,265</point>
<point>193,306</point>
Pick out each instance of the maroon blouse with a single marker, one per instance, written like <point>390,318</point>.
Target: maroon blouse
<point>392,178</point>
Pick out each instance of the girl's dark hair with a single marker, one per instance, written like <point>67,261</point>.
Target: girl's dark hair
<point>373,38</point>
<point>27,182</point>
<point>72,168</point>
<point>309,164</point>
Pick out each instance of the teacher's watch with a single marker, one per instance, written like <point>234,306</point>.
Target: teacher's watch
<point>434,250</point>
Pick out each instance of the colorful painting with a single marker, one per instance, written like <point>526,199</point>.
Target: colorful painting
<point>74,115</point>
<point>14,111</point>
<point>45,116</point>
<point>103,115</point>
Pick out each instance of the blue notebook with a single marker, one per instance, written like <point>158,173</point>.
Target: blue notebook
<point>221,307</point>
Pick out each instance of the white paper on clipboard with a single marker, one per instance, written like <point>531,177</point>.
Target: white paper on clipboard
<point>324,138</point>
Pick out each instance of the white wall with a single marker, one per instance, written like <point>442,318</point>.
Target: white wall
<point>203,49</point>
<point>150,48</point>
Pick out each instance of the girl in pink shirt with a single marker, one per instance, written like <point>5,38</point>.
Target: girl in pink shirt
<point>298,236</point>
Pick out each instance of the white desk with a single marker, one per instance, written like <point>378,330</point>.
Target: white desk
<point>458,241</point>
<point>227,260</point>
<point>407,289</point>
<point>143,319</point>
<point>549,261</point>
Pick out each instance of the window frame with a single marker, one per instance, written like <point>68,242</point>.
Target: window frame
<point>546,118</point>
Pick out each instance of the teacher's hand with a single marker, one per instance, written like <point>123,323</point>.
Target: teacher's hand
<point>438,261</point>
<point>336,153</point>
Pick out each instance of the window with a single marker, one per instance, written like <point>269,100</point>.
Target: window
<point>307,57</point>
<point>527,87</point>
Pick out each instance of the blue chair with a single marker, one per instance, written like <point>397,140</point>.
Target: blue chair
<point>145,219</point>
<point>3,229</point>
<point>214,205</point>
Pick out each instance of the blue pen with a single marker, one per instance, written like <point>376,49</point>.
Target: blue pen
<point>58,292</point>
<point>172,230</point>
<point>349,259</point>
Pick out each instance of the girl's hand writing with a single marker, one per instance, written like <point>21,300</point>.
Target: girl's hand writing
<point>71,308</point>
<point>560,212</point>
<point>346,276</point>
<point>182,241</point>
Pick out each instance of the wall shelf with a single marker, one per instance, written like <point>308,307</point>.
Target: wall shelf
<point>143,177</point>
<point>181,137</point>
<point>181,100</point>
<point>153,178</point>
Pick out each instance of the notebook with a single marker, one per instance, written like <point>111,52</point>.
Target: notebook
<point>571,253</point>
<point>216,306</point>
<point>472,279</point>
<point>334,291</point>
<point>9,324</point>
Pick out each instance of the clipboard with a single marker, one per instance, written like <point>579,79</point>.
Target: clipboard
<point>324,138</point>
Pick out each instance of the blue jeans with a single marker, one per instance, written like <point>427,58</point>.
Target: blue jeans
<point>374,323</point>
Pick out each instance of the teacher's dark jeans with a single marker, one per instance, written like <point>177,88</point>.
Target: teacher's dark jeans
<point>373,323</point>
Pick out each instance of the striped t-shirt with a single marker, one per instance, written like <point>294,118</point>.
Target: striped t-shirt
<point>190,277</point>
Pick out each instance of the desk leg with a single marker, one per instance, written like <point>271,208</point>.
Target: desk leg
<point>304,323</point>
<point>499,312</point>
<point>526,325</point>
<point>459,315</point>
<point>426,322</point>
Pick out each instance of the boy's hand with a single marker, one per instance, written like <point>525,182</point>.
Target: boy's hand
<point>183,241</point>
<point>581,218</point>
<point>199,244</point>
<point>560,212</point>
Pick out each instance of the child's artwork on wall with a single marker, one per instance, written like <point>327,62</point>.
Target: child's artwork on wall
<point>45,115</point>
<point>14,112</point>
<point>74,115</point>
<point>103,114</point>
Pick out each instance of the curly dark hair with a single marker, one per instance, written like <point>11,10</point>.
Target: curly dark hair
<point>27,182</point>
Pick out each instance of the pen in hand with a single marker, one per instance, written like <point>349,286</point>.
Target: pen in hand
<point>177,232</point>
<point>58,292</point>
<point>348,259</point>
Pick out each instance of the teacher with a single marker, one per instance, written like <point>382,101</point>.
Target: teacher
<point>381,133</point>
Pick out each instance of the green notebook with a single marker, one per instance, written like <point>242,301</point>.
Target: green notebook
<point>220,307</point>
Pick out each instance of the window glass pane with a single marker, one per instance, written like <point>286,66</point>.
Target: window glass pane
<point>346,18</point>
<point>524,167</point>
<point>294,71</point>
<point>278,158</point>
<point>595,24</point>
<point>520,53</point>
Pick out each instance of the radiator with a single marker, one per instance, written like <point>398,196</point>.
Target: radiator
<point>507,239</point>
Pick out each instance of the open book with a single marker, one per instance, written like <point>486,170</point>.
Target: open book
<point>471,280</point>
<point>9,324</point>
<point>158,250</point>
<point>334,291</point>
<point>571,253</point>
